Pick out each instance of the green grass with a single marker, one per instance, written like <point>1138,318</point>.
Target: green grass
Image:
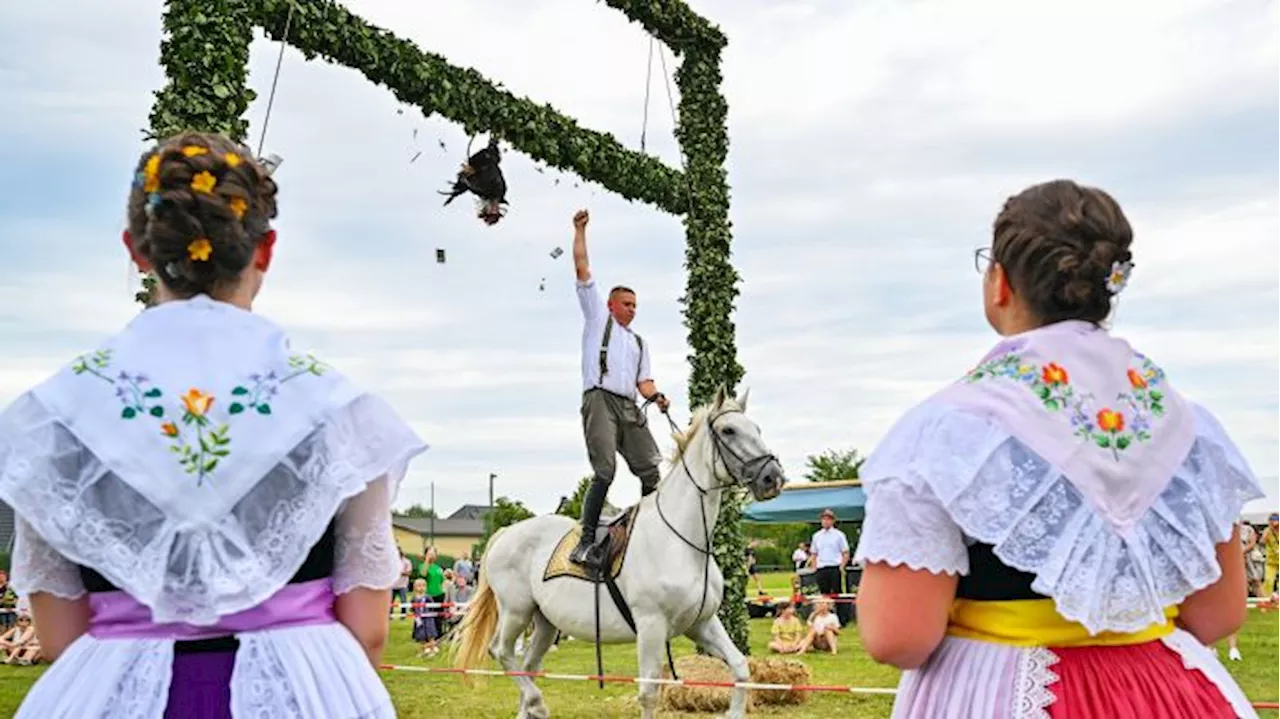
<point>428,696</point>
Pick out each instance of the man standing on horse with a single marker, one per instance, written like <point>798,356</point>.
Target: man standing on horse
<point>615,368</point>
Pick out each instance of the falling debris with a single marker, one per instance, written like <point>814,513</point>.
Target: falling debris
<point>440,256</point>
<point>542,286</point>
<point>415,157</point>
<point>271,163</point>
<point>442,147</point>
<point>555,254</point>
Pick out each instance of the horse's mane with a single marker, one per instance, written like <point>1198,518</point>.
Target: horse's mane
<point>696,423</point>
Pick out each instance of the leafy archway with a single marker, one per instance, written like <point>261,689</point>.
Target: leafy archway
<point>206,53</point>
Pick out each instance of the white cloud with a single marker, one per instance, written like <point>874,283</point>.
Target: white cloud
<point>872,143</point>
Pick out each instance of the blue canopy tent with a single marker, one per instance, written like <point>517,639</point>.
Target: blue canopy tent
<point>801,502</point>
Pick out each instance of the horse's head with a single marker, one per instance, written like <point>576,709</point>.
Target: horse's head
<point>740,455</point>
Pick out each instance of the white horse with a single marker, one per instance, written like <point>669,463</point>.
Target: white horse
<point>662,578</point>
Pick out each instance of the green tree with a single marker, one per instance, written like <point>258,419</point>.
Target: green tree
<point>834,465</point>
<point>505,513</point>
<point>572,507</point>
<point>417,511</point>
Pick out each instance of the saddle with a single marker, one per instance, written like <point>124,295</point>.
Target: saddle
<point>612,537</point>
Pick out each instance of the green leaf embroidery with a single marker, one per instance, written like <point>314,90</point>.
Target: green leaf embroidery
<point>1103,440</point>
<point>1051,405</point>
<point>240,391</point>
<point>1122,442</point>
<point>129,413</point>
<point>157,411</point>
<point>264,409</point>
<point>152,393</point>
<point>235,408</point>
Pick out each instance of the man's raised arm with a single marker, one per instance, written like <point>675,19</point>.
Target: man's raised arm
<point>580,264</point>
<point>588,296</point>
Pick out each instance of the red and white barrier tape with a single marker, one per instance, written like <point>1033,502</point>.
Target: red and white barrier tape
<point>759,686</point>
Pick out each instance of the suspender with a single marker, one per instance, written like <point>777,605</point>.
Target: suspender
<point>604,351</point>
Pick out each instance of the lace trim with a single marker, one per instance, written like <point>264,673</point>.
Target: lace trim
<point>182,571</point>
<point>997,491</point>
<point>1199,658</point>
<point>1032,695</point>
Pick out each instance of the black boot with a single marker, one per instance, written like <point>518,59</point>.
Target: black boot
<point>592,504</point>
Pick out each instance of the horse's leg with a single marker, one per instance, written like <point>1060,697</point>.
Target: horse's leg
<point>651,645</point>
<point>711,636</point>
<point>544,632</point>
<point>512,622</point>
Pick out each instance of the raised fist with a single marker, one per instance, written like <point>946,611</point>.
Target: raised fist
<point>580,219</point>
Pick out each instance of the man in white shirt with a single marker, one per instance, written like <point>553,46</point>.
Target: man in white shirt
<point>830,550</point>
<point>615,369</point>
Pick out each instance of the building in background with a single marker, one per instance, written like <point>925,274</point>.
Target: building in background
<point>452,536</point>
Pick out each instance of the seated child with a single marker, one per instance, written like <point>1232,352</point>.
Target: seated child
<point>788,631</point>
<point>824,626</point>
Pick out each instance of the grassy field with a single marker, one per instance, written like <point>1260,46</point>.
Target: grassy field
<point>427,696</point>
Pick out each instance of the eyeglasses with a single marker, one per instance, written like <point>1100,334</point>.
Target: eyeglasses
<point>982,259</point>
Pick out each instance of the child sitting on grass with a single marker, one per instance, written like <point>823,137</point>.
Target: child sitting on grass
<point>788,631</point>
<point>824,626</point>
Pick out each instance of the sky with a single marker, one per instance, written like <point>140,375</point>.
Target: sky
<point>871,145</point>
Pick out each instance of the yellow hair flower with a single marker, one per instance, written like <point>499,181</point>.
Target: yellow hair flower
<point>194,150</point>
<point>199,250</point>
<point>204,182</point>
<point>151,174</point>
<point>232,159</point>
<point>238,206</point>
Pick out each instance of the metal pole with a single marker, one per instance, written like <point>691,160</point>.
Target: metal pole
<point>488,516</point>
<point>432,523</point>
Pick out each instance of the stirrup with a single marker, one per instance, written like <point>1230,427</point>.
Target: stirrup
<point>587,555</point>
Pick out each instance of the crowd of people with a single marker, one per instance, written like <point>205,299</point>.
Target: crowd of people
<point>439,597</point>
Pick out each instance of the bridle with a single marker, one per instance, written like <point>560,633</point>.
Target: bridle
<point>749,469</point>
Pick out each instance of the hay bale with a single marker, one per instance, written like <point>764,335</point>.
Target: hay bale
<point>716,699</point>
<point>777,670</point>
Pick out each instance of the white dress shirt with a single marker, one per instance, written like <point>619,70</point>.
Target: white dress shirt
<point>624,348</point>
<point>828,545</point>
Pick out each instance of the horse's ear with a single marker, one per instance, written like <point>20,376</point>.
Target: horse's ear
<point>742,399</point>
<point>721,394</point>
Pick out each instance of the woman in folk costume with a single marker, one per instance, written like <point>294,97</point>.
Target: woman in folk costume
<point>1052,535</point>
<point>204,514</point>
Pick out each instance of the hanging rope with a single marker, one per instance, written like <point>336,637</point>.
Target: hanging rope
<point>271,99</point>
<point>648,82</point>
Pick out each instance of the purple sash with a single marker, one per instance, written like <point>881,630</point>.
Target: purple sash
<point>117,615</point>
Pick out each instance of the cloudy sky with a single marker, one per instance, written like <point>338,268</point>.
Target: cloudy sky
<point>872,143</point>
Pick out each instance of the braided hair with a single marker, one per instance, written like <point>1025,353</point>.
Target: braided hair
<point>1058,243</point>
<point>198,208</point>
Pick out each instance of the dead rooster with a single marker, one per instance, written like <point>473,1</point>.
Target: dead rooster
<point>482,177</point>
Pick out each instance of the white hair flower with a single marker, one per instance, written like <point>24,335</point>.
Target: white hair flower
<point>1119,276</point>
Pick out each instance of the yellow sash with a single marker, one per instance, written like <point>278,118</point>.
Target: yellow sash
<point>1036,622</point>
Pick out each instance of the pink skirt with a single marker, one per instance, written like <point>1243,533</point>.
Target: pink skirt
<point>1140,681</point>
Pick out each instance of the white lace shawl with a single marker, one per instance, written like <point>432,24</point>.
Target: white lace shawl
<point>943,478</point>
<point>113,497</point>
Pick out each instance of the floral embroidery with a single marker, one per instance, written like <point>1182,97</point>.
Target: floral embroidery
<point>199,442</point>
<point>1113,428</point>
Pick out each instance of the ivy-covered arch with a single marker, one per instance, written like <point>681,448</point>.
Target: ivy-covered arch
<point>205,55</point>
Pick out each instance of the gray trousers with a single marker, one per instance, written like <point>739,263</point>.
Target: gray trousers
<point>614,425</point>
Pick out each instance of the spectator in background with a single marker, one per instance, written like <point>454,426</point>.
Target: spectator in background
<point>462,567</point>
<point>20,643</point>
<point>424,621</point>
<point>1248,540</point>
<point>800,557</point>
<point>752,570</point>
<point>8,601</point>
<point>788,632</point>
<point>824,626</point>
<point>434,576</point>
<point>1271,542</point>
<point>830,551</point>
<point>400,589</point>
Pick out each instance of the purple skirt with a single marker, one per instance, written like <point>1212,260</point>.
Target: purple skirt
<point>201,686</point>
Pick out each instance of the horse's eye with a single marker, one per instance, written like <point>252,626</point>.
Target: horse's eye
<point>728,431</point>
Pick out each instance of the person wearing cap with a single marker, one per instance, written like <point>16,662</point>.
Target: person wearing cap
<point>830,551</point>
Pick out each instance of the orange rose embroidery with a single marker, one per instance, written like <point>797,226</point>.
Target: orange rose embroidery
<point>1053,373</point>
<point>1110,421</point>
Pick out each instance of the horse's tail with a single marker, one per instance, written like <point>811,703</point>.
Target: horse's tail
<point>480,623</point>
